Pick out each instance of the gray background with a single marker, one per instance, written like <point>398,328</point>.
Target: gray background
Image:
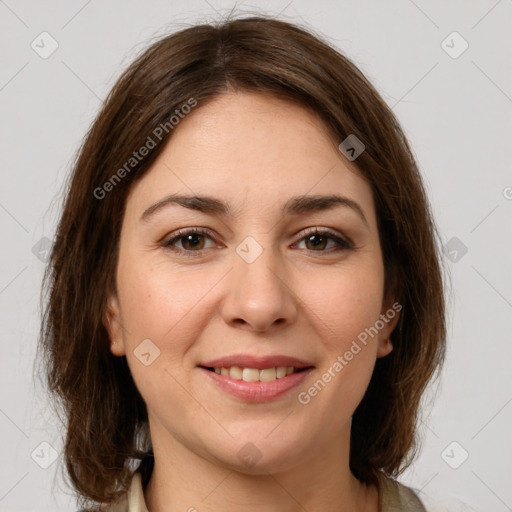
<point>456,110</point>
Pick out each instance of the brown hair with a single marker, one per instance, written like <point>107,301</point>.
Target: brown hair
<point>106,417</point>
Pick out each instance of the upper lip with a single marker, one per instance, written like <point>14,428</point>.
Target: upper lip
<point>258,362</point>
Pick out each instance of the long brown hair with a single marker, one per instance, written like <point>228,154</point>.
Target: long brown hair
<point>105,415</point>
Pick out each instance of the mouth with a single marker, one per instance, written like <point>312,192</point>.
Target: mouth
<point>255,374</point>
<point>256,379</point>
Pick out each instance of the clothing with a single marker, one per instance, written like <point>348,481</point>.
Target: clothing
<point>393,497</point>
<point>396,497</point>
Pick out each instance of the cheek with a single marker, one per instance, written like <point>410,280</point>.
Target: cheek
<point>348,307</point>
<point>162,305</point>
<point>346,303</point>
<point>153,298</point>
<point>166,305</point>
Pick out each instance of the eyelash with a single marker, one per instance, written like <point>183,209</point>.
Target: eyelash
<point>343,245</point>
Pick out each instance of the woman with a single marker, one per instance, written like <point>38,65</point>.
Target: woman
<point>245,301</point>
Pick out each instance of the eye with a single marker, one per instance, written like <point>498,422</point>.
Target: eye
<point>192,241</point>
<point>318,239</point>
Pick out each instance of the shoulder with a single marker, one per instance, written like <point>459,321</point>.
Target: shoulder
<point>132,500</point>
<point>397,497</point>
<point>122,505</point>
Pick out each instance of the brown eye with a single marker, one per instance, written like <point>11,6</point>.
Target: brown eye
<point>318,240</point>
<point>192,241</point>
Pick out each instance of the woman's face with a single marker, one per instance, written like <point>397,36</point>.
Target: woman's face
<point>255,289</point>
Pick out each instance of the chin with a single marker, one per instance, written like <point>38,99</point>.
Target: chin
<point>260,456</point>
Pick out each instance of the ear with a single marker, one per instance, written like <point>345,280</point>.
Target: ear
<point>389,317</point>
<point>114,327</point>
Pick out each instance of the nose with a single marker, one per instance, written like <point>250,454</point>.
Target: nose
<point>259,295</point>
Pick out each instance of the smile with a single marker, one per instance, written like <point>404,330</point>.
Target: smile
<point>255,385</point>
<point>255,374</point>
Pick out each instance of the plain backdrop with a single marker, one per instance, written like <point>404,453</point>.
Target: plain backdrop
<point>444,68</point>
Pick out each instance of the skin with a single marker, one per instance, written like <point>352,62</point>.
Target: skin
<point>254,152</point>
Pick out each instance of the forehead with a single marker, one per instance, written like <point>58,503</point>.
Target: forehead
<point>253,126</point>
<point>254,151</point>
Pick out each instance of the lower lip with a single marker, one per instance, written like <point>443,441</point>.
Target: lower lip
<point>257,391</point>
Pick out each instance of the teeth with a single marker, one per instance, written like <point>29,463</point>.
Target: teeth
<point>268,374</point>
<point>235,373</point>
<point>250,374</point>
<point>281,372</point>
<point>254,374</point>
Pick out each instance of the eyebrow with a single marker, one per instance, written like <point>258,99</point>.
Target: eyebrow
<point>298,205</point>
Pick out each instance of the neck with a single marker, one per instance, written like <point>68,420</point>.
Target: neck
<point>184,481</point>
